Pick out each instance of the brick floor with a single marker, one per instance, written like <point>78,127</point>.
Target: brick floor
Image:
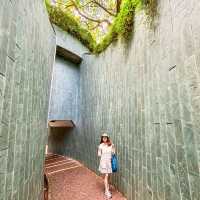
<point>70,180</point>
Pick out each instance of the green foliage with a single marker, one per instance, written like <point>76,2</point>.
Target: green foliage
<point>71,25</point>
<point>122,25</point>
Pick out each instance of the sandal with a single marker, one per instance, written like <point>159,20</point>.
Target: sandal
<point>108,194</point>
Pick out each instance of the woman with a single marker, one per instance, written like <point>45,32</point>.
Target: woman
<point>105,151</point>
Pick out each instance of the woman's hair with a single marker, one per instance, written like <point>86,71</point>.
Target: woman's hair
<point>109,143</point>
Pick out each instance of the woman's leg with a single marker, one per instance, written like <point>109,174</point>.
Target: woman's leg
<point>106,182</point>
<point>107,192</point>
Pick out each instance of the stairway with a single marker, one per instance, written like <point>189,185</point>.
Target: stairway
<point>68,179</point>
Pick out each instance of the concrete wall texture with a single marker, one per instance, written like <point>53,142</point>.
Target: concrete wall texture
<point>64,99</point>
<point>68,42</point>
<point>146,95</point>
<point>64,96</point>
<point>27,47</point>
<point>64,102</point>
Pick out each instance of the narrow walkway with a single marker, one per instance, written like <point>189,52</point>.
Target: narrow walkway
<point>70,180</point>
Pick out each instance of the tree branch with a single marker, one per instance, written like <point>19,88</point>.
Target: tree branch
<point>105,9</point>
<point>89,18</point>
<point>98,21</point>
<point>89,2</point>
<point>94,27</point>
<point>118,4</point>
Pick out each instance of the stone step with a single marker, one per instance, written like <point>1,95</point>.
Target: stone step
<point>61,166</point>
<point>54,160</point>
<point>70,180</point>
<point>51,157</point>
<point>57,162</point>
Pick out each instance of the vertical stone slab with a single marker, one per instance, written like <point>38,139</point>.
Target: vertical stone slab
<point>147,99</point>
<point>27,43</point>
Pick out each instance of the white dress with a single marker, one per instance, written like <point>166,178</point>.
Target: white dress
<point>105,152</point>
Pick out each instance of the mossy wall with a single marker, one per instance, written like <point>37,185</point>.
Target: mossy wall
<point>146,95</point>
<point>122,25</point>
<point>27,48</point>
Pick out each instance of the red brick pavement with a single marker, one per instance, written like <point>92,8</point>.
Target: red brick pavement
<point>70,180</point>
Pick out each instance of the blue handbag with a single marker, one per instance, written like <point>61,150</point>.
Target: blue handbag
<point>114,163</point>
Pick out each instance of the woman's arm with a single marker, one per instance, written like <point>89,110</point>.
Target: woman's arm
<point>113,149</point>
<point>99,151</point>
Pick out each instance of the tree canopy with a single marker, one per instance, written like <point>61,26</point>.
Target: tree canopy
<point>96,23</point>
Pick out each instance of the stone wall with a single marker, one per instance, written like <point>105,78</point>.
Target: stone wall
<point>65,96</point>
<point>69,42</point>
<point>146,95</point>
<point>64,102</point>
<point>27,48</point>
<point>64,91</point>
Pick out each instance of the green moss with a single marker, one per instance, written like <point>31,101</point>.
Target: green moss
<point>150,7</point>
<point>69,24</point>
<point>122,25</point>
